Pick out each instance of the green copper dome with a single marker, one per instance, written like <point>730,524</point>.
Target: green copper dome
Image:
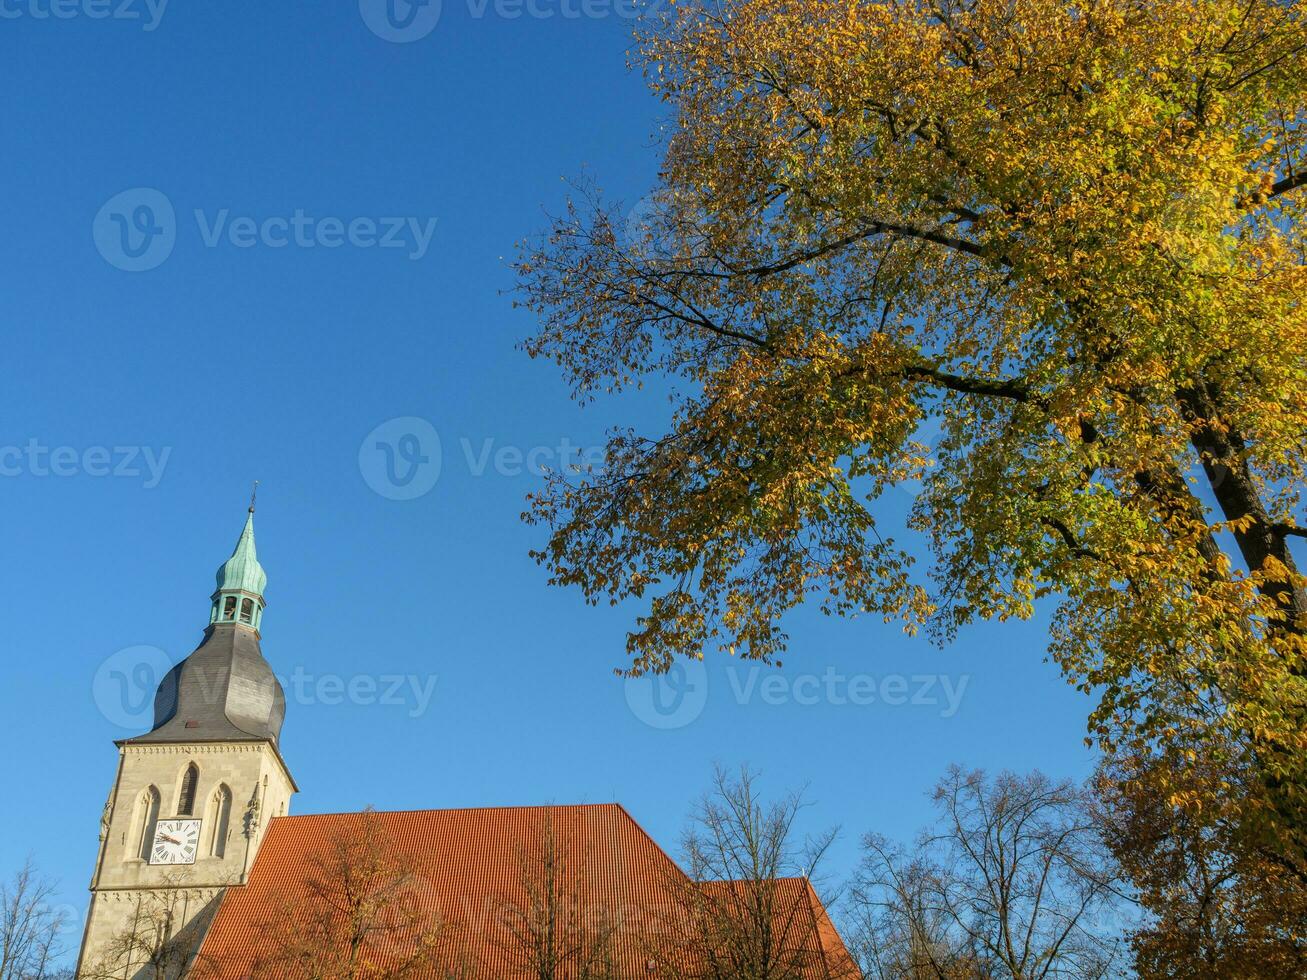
<point>241,580</point>
<point>242,571</point>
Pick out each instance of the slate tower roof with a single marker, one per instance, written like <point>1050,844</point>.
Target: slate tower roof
<point>224,690</point>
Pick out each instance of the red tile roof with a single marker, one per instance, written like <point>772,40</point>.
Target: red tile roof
<point>465,868</point>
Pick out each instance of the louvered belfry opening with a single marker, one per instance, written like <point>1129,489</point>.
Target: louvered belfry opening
<point>186,799</point>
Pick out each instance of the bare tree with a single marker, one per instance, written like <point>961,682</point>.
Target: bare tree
<point>556,932</point>
<point>150,946</point>
<point>29,927</point>
<point>1009,883</point>
<point>899,930</point>
<point>358,915</point>
<point>749,910</point>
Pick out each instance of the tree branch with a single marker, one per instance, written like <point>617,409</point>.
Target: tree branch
<point>994,387</point>
<point>1286,184</point>
<point>1281,186</point>
<point>1069,539</point>
<point>1284,530</point>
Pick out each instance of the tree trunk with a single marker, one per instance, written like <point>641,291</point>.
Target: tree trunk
<point>1222,450</point>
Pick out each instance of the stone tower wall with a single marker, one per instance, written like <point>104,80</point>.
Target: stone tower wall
<point>134,903</point>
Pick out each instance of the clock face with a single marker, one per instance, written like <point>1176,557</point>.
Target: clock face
<point>175,842</point>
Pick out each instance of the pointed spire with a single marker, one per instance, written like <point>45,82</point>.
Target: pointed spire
<point>241,581</point>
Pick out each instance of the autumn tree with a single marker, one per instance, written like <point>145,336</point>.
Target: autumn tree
<point>1070,237</point>
<point>1216,906</point>
<point>30,927</point>
<point>553,930</point>
<point>359,915</point>
<point>746,908</point>
<point>1012,881</point>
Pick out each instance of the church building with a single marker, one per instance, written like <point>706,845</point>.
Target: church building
<point>201,873</point>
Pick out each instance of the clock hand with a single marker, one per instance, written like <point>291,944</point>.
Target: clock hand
<point>170,840</point>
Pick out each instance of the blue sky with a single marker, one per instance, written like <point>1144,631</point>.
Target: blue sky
<point>235,358</point>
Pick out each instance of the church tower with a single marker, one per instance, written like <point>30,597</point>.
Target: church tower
<point>193,796</point>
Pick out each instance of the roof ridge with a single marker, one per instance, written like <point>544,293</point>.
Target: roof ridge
<point>460,809</point>
<point>653,843</point>
<point>820,917</point>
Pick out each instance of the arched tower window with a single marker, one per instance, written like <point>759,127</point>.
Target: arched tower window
<point>229,607</point>
<point>186,798</point>
<point>217,820</point>
<point>247,610</point>
<point>147,815</point>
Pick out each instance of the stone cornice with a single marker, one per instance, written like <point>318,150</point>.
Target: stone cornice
<point>208,748</point>
<point>125,893</point>
<point>192,748</point>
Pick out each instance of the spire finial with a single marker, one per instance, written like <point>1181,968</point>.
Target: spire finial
<point>254,493</point>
